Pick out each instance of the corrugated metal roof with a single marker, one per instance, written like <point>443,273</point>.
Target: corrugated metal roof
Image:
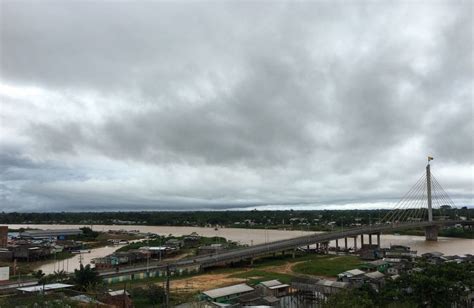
<point>118,292</point>
<point>354,272</point>
<point>375,275</point>
<point>49,232</point>
<point>270,283</point>
<point>378,262</point>
<point>279,286</point>
<point>332,283</point>
<point>235,289</point>
<point>46,287</point>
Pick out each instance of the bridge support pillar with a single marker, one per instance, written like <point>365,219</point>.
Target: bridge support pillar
<point>337,245</point>
<point>378,240</point>
<point>370,239</point>
<point>431,233</point>
<point>355,243</point>
<point>345,243</point>
<point>361,240</point>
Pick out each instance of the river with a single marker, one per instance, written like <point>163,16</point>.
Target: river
<point>448,246</point>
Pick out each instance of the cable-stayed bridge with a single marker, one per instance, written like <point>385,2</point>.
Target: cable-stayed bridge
<point>414,210</point>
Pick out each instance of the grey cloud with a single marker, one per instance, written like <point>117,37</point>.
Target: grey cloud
<point>314,101</point>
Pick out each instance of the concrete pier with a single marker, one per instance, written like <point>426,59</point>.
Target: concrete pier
<point>431,233</point>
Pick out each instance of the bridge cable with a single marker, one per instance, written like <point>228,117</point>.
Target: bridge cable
<point>403,209</point>
<point>391,215</point>
<point>412,202</point>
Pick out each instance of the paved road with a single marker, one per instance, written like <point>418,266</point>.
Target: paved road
<point>282,245</point>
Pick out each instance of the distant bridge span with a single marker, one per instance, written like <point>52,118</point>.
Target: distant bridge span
<point>248,253</point>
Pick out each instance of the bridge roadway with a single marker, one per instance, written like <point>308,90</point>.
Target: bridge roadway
<point>279,246</point>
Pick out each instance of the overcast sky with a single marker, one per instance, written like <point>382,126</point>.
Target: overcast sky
<point>116,105</point>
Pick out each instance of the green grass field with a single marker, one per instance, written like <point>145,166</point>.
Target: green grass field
<point>327,265</point>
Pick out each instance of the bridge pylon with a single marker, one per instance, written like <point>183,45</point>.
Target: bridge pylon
<point>421,203</point>
<point>431,232</point>
<point>428,190</point>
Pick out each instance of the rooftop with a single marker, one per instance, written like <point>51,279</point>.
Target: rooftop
<point>332,283</point>
<point>235,289</point>
<point>46,287</point>
<point>271,283</point>
<point>351,273</point>
<point>47,233</point>
<point>375,275</point>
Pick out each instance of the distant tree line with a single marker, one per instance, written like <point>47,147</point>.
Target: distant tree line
<point>254,218</point>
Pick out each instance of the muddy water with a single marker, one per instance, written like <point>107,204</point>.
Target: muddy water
<point>449,246</point>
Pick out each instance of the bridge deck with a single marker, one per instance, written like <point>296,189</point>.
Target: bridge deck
<point>282,245</point>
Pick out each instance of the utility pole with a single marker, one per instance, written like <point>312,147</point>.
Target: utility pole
<point>167,288</point>
<point>428,186</point>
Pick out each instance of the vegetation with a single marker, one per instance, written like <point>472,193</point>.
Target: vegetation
<point>151,295</point>
<point>436,286</point>
<point>33,300</point>
<point>86,277</point>
<point>306,220</point>
<point>446,232</point>
<point>327,265</point>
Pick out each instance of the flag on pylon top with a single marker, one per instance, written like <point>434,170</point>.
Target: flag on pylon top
<point>430,158</point>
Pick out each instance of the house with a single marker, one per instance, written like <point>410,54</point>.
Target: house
<point>119,298</point>
<point>211,249</point>
<point>351,274</point>
<point>6,255</point>
<point>45,288</point>
<point>255,299</point>
<point>3,236</point>
<point>59,234</point>
<point>29,252</point>
<point>191,240</point>
<point>399,251</point>
<point>377,265</point>
<point>376,279</point>
<point>273,288</point>
<point>319,288</point>
<point>156,252</point>
<point>395,269</point>
<point>370,252</point>
<point>354,276</point>
<point>174,242</point>
<point>227,294</point>
<point>328,287</point>
<point>434,257</point>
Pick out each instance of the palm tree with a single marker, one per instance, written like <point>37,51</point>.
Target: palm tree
<point>85,277</point>
<point>60,276</point>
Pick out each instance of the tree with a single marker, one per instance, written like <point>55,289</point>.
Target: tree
<point>38,274</point>
<point>86,277</point>
<point>60,276</point>
<point>155,294</point>
<point>437,286</point>
<point>360,298</point>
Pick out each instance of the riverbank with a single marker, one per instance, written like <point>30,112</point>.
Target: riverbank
<point>447,232</point>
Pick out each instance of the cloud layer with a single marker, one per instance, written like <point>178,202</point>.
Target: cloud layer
<point>220,105</point>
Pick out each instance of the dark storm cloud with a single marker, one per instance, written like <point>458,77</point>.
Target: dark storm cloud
<point>232,105</point>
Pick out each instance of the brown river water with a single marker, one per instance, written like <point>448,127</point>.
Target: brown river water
<point>448,246</point>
